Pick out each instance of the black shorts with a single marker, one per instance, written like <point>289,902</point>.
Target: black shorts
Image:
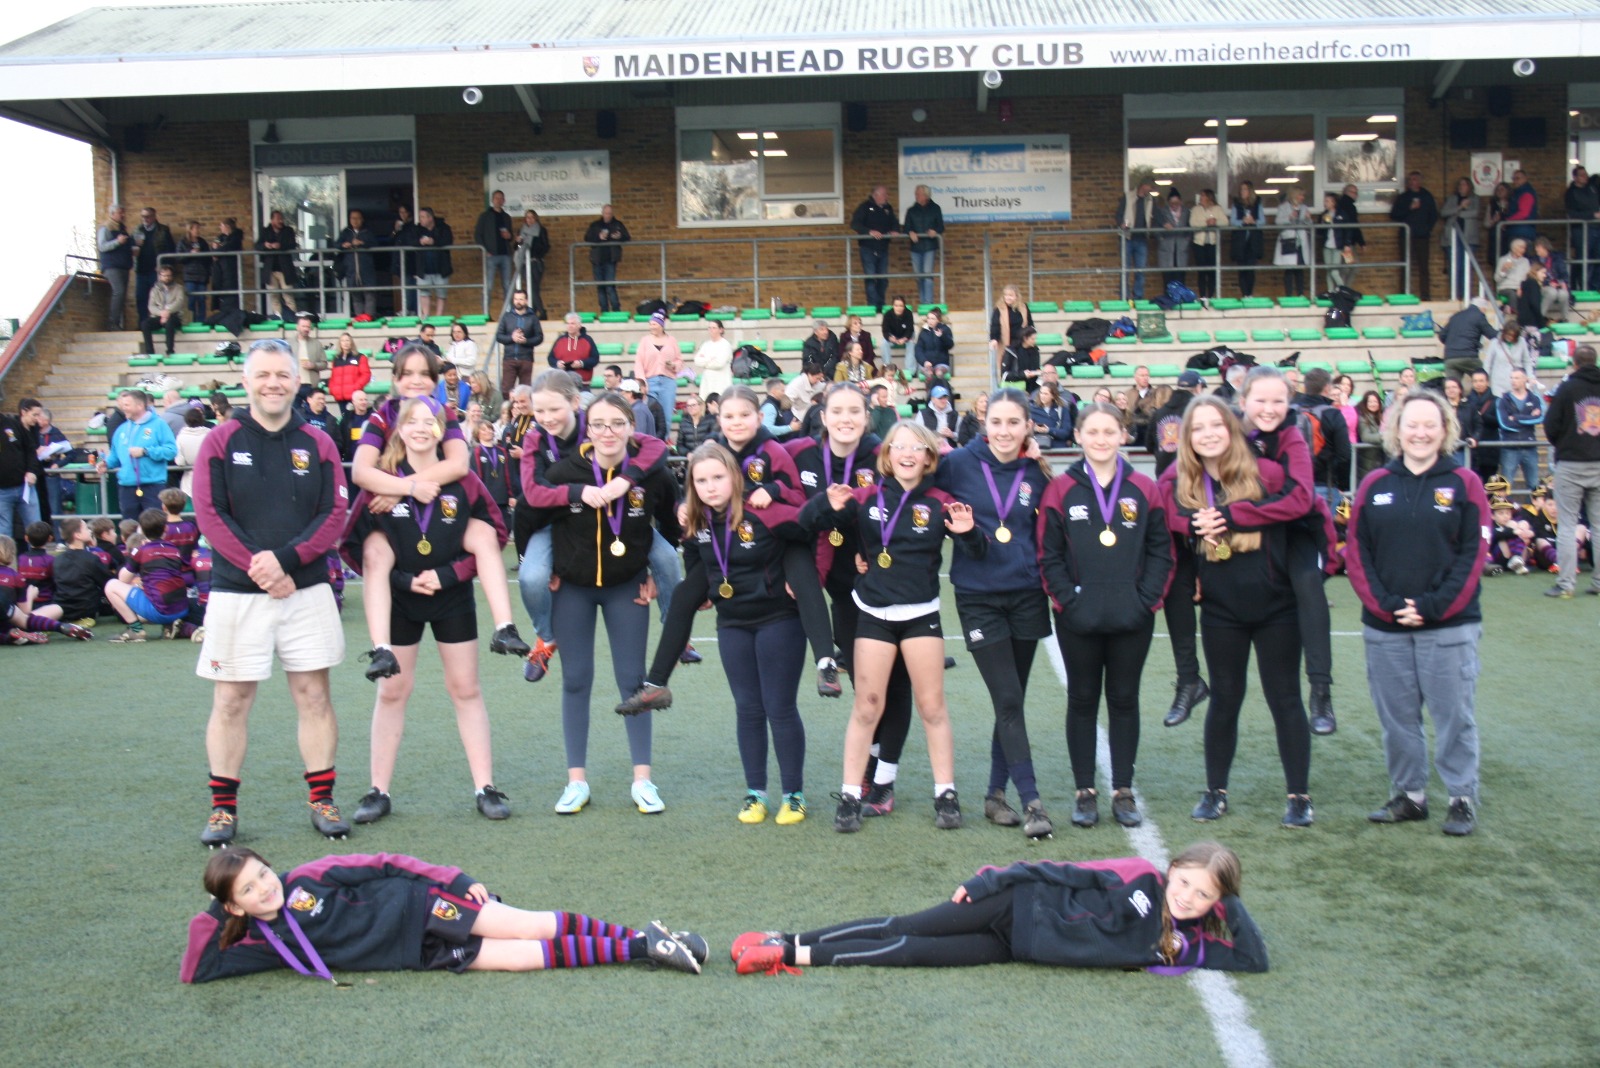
<point>896,631</point>
<point>447,939</point>
<point>403,630</point>
<point>987,618</point>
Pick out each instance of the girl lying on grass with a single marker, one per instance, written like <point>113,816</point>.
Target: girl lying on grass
<point>1121,913</point>
<point>391,912</point>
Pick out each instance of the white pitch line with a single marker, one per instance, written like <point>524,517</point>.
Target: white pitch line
<point>1241,1044</point>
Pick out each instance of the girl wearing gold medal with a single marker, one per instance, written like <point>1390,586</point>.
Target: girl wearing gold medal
<point>901,524</point>
<point>1105,555</point>
<point>1247,599</point>
<point>740,555</point>
<point>431,586</point>
<point>601,560</point>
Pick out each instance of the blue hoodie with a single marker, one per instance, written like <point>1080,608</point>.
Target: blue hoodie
<point>1009,566</point>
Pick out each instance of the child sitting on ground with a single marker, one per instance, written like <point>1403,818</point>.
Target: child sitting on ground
<point>162,595</point>
<point>103,543</point>
<point>80,575</point>
<point>34,563</point>
<point>1542,519</point>
<point>1508,540</point>
<point>181,532</point>
<point>22,625</point>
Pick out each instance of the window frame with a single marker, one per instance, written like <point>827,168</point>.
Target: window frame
<point>810,118</point>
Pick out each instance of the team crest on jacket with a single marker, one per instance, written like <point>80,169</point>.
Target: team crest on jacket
<point>1129,509</point>
<point>1444,497</point>
<point>1025,495</point>
<point>1588,412</point>
<point>300,460</point>
<point>864,477</point>
<point>448,507</point>
<point>755,468</point>
<point>446,910</point>
<point>920,514</point>
<point>636,497</point>
<point>747,533</point>
<point>303,900</point>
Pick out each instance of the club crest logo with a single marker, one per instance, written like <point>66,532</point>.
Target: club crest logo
<point>591,65</point>
<point>920,514</point>
<point>1025,495</point>
<point>303,900</point>
<point>636,497</point>
<point>755,468</point>
<point>1129,509</point>
<point>747,533</point>
<point>1444,497</point>
<point>1588,412</point>
<point>300,459</point>
<point>446,910</point>
<point>866,477</point>
<point>1167,439</point>
<point>449,507</point>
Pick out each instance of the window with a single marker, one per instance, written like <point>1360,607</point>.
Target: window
<point>1274,153</point>
<point>1364,151</point>
<point>1176,154</point>
<point>738,166</point>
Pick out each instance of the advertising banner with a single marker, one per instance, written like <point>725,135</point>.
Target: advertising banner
<point>551,183</point>
<point>990,179</point>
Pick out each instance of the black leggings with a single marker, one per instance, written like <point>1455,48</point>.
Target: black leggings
<point>946,936</point>
<point>1179,614</point>
<point>763,665</point>
<point>1277,646</point>
<point>1311,603</point>
<point>1118,659</point>
<point>1005,667</point>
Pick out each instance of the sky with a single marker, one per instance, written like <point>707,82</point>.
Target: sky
<point>47,204</point>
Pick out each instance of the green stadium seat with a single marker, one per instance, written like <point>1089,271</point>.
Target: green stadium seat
<point>633,348</point>
<point>1146,305</point>
<point>615,317</point>
<point>1594,327</point>
<point>95,432</point>
<point>1416,334</point>
<point>1586,296</point>
<point>1294,302</point>
<point>1390,367</point>
<point>683,318</point>
<point>1566,329</point>
<point>195,328</point>
<point>1077,307</point>
<point>1305,333</point>
<point>609,348</point>
<point>192,393</point>
<point>1315,365</point>
<point>686,347</point>
<point>1115,306</point>
<point>904,411</point>
<point>1193,306</point>
<point>1226,304</point>
<point>1354,367</point>
<point>334,322</point>
<point>1089,370</point>
<point>1208,372</point>
<point>233,392</point>
<point>377,389</point>
<point>440,322</point>
<point>179,359</point>
<point>1043,307</point>
<point>213,360</point>
<point>402,322</point>
<point>788,344</point>
<point>1380,333</point>
<point>586,317</point>
<point>1402,300</point>
<point>755,314</point>
<point>924,309</point>
<point>1266,335</point>
<point>1131,339</point>
<point>798,313</point>
<point>866,311</point>
<point>830,312</point>
<point>1550,363</point>
<point>1050,339</point>
<point>1342,333</point>
<point>1165,370</point>
<point>1370,300</point>
<point>1194,337</point>
<point>473,320</point>
<point>1231,337</point>
<point>144,361</point>
<point>1321,303</point>
<point>1158,339</point>
<point>1256,303</point>
<point>1121,370</point>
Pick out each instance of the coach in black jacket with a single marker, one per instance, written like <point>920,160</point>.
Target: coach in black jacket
<point>520,332</point>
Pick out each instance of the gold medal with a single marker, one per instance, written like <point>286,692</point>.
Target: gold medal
<point>884,559</point>
<point>423,547</point>
<point>1108,538</point>
<point>1002,535</point>
<point>617,548</point>
<point>725,590</point>
<point>835,538</point>
<point>1224,550</point>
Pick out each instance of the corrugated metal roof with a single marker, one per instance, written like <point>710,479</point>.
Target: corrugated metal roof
<point>299,27</point>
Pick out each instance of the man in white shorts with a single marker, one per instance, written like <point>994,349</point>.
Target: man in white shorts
<point>270,497</point>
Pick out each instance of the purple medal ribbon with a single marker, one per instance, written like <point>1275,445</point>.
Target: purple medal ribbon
<point>288,956</point>
<point>827,466</point>
<point>1211,489</point>
<point>886,527</point>
<point>423,515</point>
<point>1108,502</point>
<point>488,453</point>
<point>613,514</point>
<point>725,553</point>
<point>553,447</point>
<point>1003,508</point>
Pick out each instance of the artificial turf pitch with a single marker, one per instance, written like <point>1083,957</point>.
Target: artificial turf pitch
<point>1389,945</point>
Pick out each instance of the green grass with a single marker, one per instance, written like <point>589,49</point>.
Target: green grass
<point>1390,946</point>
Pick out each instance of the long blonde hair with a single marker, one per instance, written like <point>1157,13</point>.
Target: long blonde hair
<point>697,514</point>
<point>1222,864</point>
<point>1239,478</point>
<point>1003,313</point>
<point>394,450</point>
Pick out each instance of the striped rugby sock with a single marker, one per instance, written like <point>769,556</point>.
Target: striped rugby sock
<point>576,951</point>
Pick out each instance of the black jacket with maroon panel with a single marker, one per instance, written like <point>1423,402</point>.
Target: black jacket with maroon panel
<point>753,552</point>
<point>258,490</point>
<point>542,450</point>
<point>1248,588</point>
<point>492,465</point>
<point>915,544</point>
<point>767,465</point>
<point>1096,588</point>
<point>581,537</point>
<point>1418,537</point>
<point>818,467</point>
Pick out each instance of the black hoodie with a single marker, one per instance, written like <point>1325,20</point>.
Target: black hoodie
<point>1572,422</point>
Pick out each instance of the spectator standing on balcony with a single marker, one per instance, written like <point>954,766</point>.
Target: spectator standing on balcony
<point>1172,249</point>
<point>1135,216</point>
<point>1460,213</point>
<point>1522,209</point>
<point>875,220</point>
<point>1337,242</point>
<point>116,260</point>
<point>1207,217</point>
<point>606,236</point>
<point>196,272</point>
<point>533,245</point>
<point>924,226</point>
<point>1247,216</point>
<point>277,267</point>
<point>153,238</point>
<point>1292,250</point>
<point>403,264</point>
<point>493,232</point>
<point>1583,202</point>
<point>433,262</point>
<point>356,266</point>
<point>225,265</point>
<point>1416,207</point>
<point>164,311</point>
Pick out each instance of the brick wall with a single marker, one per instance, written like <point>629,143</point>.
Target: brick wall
<point>82,308</point>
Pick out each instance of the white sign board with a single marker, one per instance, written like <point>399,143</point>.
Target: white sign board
<point>551,183</point>
<point>1485,172</point>
<point>990,179</point>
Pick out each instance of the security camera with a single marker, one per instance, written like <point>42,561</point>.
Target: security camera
<point>1524,68</point>
<point>472,96</point>
<point>992,79</point>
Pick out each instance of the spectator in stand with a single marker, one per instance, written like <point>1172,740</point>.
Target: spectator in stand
<point>1144,399</point>
<point>1519,411</point>
<point>1233,381</point>
<point>1330,464</point>
<point>493,232</point>
<point>1369,434</point>
<point>116,260</point>
<point>695,425</point>
<point>1348,199</point>
<point>52,447</point>
<point>1556,289</point>
<point>714,359</point>
<point>433,262</point>
<point>1416,207</point>
<point>403,263</point>
<point>277,267</point>
<point>804,390</point>
<point>855,333</point>
<point>854,367</point>
<point>533,245</point>
<point>1007,319</point>
<point>1052,419</point>
<point>452,390</point>
<point>606,236</point>
<point>574,349</point>
<point>309,354</point>
<point>139,450</point>
<point>356,266</point>
<point>1582,202</point>
<point>163,311</point>
<point>1207,218</point>
<point>1460,214</point>
<point>1494,212</point>
<point>1172,249</point>
<point>173,407</point>
<point>463,350</point>
<point>1247,216</point>
<point>162,593</point>
<point>899,328</point>
<point>425,335</point>
<point>644,409</point>
<point>821,348</point>
<point>924,227</point>
<point>1135,216</point>
<point>1573,428</point>
<point>1455,399</point>
<point>1486,417</point>
<point>1523,208</point>
<point>883,414</point>
<point>934,342</point>
<point>1529,306</point>
<point>153,239</point>
<point>196,272</point>
<point>1464,334</point>
<point>80,576</point>
<point>1508,352</point>
<point>1019,364</point>
<point>351,425</point>
<point>349,371</point>
<point>484,395</point>
<point>940,416</point>
<point>1510,271</point>
<point>519,333</point>
<point>657,362</point>
<point>875,220</point>
<point>317,414</point>
<point>1337,242</point>
<point>188,443</point>
<point>225,266</point>
<point>1292,246</point>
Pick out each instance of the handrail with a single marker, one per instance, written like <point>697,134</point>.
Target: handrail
<point>1588,230</point>
<point>988,302</point>
<point>323,256</point>
<point>1461,288</point>
<point>1123,270</point>
<point>23,339</point>
<point>850,276</point>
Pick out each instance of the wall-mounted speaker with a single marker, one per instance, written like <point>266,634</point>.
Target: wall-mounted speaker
<point>1498,100</point>
<point>1526,132</point>
<point>1469,135</point>
<point>855,117</point>
<point>133,138</point>
<point>605,124</point>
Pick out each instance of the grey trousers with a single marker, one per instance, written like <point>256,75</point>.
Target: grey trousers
<point>1437,668</point>
<point>573,612</point>
<point>118,277</point>
<point>1577,484</point>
